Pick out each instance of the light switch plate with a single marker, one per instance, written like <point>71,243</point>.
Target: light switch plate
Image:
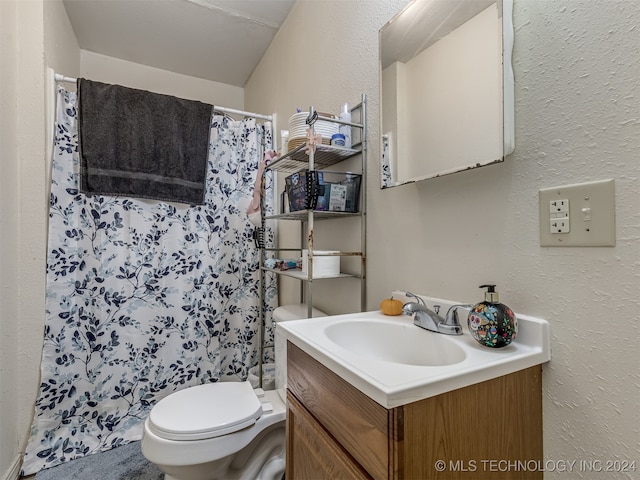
<point>579,215</point>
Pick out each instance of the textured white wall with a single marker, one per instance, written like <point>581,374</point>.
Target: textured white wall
<point>577,119</point>
<point>9,240</point>
<point>62,52</point>
<point>577,67</point>
<point>22,221</point>
<point>107,69</point>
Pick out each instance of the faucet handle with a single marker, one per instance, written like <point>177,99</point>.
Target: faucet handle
<point>452,314</point>
<point>413,295</point>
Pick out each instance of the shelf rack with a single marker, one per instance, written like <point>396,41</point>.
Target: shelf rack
<point>324,156</point>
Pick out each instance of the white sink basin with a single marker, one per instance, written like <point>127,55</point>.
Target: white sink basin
<point>394,342</point>
<point>395,362</point>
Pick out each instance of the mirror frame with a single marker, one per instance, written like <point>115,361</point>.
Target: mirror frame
<point>508,103</point>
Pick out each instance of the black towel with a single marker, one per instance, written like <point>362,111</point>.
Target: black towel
<point>140,144</point>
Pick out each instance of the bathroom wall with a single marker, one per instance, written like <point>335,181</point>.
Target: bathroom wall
<point>62,52</point>
<point>577,67</point>
<point>9,224</point>
<point>22,221</point>
<point>113,70</point>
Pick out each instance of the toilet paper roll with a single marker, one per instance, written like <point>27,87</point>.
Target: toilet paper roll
<point>322,266</point>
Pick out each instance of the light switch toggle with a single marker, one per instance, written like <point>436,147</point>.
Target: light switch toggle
<point>586,212</point>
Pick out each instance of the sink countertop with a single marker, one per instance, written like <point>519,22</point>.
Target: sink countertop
<point>394,384</point>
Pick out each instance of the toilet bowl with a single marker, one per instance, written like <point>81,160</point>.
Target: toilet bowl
<point>223,430</point>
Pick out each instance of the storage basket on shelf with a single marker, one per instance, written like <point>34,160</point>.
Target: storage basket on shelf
<point>323,191</point>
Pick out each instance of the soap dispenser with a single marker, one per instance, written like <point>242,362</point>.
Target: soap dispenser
<point>492,323</point>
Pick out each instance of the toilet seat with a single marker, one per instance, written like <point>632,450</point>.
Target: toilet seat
<point>205,411</point>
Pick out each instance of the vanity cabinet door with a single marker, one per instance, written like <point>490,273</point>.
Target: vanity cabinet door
<point>468,433</point>
<point>312,453</point>
<point>365,429</point>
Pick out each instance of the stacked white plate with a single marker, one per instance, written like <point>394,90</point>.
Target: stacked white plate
<point>298,127</point>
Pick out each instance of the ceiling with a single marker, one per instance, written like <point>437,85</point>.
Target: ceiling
<point>218,40</point>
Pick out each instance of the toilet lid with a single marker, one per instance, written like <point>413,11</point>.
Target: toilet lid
<point>205,411</point>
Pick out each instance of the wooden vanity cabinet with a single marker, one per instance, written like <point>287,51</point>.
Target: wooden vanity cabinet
<point>491,430</point>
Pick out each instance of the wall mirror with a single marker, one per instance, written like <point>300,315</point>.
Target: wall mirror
<point>446,86</point>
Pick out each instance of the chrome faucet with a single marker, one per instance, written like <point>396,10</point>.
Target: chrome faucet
<point>451,319</point>
<point>426,318</point>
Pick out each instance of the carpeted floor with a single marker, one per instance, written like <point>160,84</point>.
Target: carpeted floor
<point>121,463</point>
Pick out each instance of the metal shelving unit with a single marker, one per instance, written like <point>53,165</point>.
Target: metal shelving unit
<point>322,157</point>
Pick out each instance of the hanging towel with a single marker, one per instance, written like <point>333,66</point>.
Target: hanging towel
<point>141,144</point>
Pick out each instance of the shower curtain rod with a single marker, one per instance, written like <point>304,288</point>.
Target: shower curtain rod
<point>61,78</point>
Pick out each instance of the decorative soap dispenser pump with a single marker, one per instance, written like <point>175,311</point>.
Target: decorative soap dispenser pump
<point>491,323</point>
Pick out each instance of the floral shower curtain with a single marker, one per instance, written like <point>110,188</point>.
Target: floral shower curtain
<point>144,298</point>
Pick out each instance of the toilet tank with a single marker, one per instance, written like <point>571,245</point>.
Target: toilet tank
<point>287,313</point>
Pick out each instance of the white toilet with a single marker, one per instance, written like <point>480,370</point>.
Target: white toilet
<point>223,430</point>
